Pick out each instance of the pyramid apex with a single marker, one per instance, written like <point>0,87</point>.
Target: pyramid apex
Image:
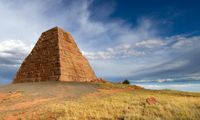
<point>56,28</point>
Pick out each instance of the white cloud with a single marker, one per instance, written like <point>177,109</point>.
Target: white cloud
<point>118,52</point>
<point>125,50</point>
<point>150,43</point>
<point>165,86</point>
<point>111,55</point>
<point>13,45</point>
<point>105,43</point>
<point>184,41</point>
<point>12,52</point>
<point>155,80</point>
<point>182,87</point>
<point>112,39</point>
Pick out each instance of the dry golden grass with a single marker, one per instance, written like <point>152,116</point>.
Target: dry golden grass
<point>126,106</point>
<point>92,101</point>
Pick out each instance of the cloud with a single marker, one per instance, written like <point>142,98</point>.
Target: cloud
<point>154,80</point>
<point>171,79</point>
<point>110,39</point>
<point>115,47</point>
<point>185,41</point>
<point>124,50</point>
<point>182,87</point>
<point>7,73</point>
<point>12,52</point>
<point>150,43</point>
<point>185,63</point>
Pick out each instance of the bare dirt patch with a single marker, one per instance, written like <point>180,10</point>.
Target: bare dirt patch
<point>2,95</point>
<point>10,117</point>
<point>23,105</point>
<point>10,96</point>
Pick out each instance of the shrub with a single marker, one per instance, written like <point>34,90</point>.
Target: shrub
<point>125,82</point>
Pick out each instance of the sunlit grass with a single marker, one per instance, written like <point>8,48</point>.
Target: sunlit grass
<point>126,105</point>
<point>97,101</point>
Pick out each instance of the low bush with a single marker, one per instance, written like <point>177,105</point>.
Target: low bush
<point>125,82</point>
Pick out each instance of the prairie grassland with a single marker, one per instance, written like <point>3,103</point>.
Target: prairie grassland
<point>94,101</point>
<point>127,105</point>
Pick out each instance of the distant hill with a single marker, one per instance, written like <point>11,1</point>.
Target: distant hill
<point>104,101</point>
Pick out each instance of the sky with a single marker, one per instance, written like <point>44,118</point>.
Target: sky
<point>138,40</point>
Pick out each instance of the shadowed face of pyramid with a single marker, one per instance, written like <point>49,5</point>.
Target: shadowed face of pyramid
<point>55,57</point>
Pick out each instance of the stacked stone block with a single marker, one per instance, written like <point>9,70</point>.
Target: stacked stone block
<point>55,57</point>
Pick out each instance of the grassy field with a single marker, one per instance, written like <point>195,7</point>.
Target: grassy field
<point>92,101</point>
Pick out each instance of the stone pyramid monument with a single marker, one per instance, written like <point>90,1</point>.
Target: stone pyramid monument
<point>55,57</point>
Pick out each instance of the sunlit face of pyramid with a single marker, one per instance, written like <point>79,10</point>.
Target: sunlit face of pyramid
<point>55,57</point>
